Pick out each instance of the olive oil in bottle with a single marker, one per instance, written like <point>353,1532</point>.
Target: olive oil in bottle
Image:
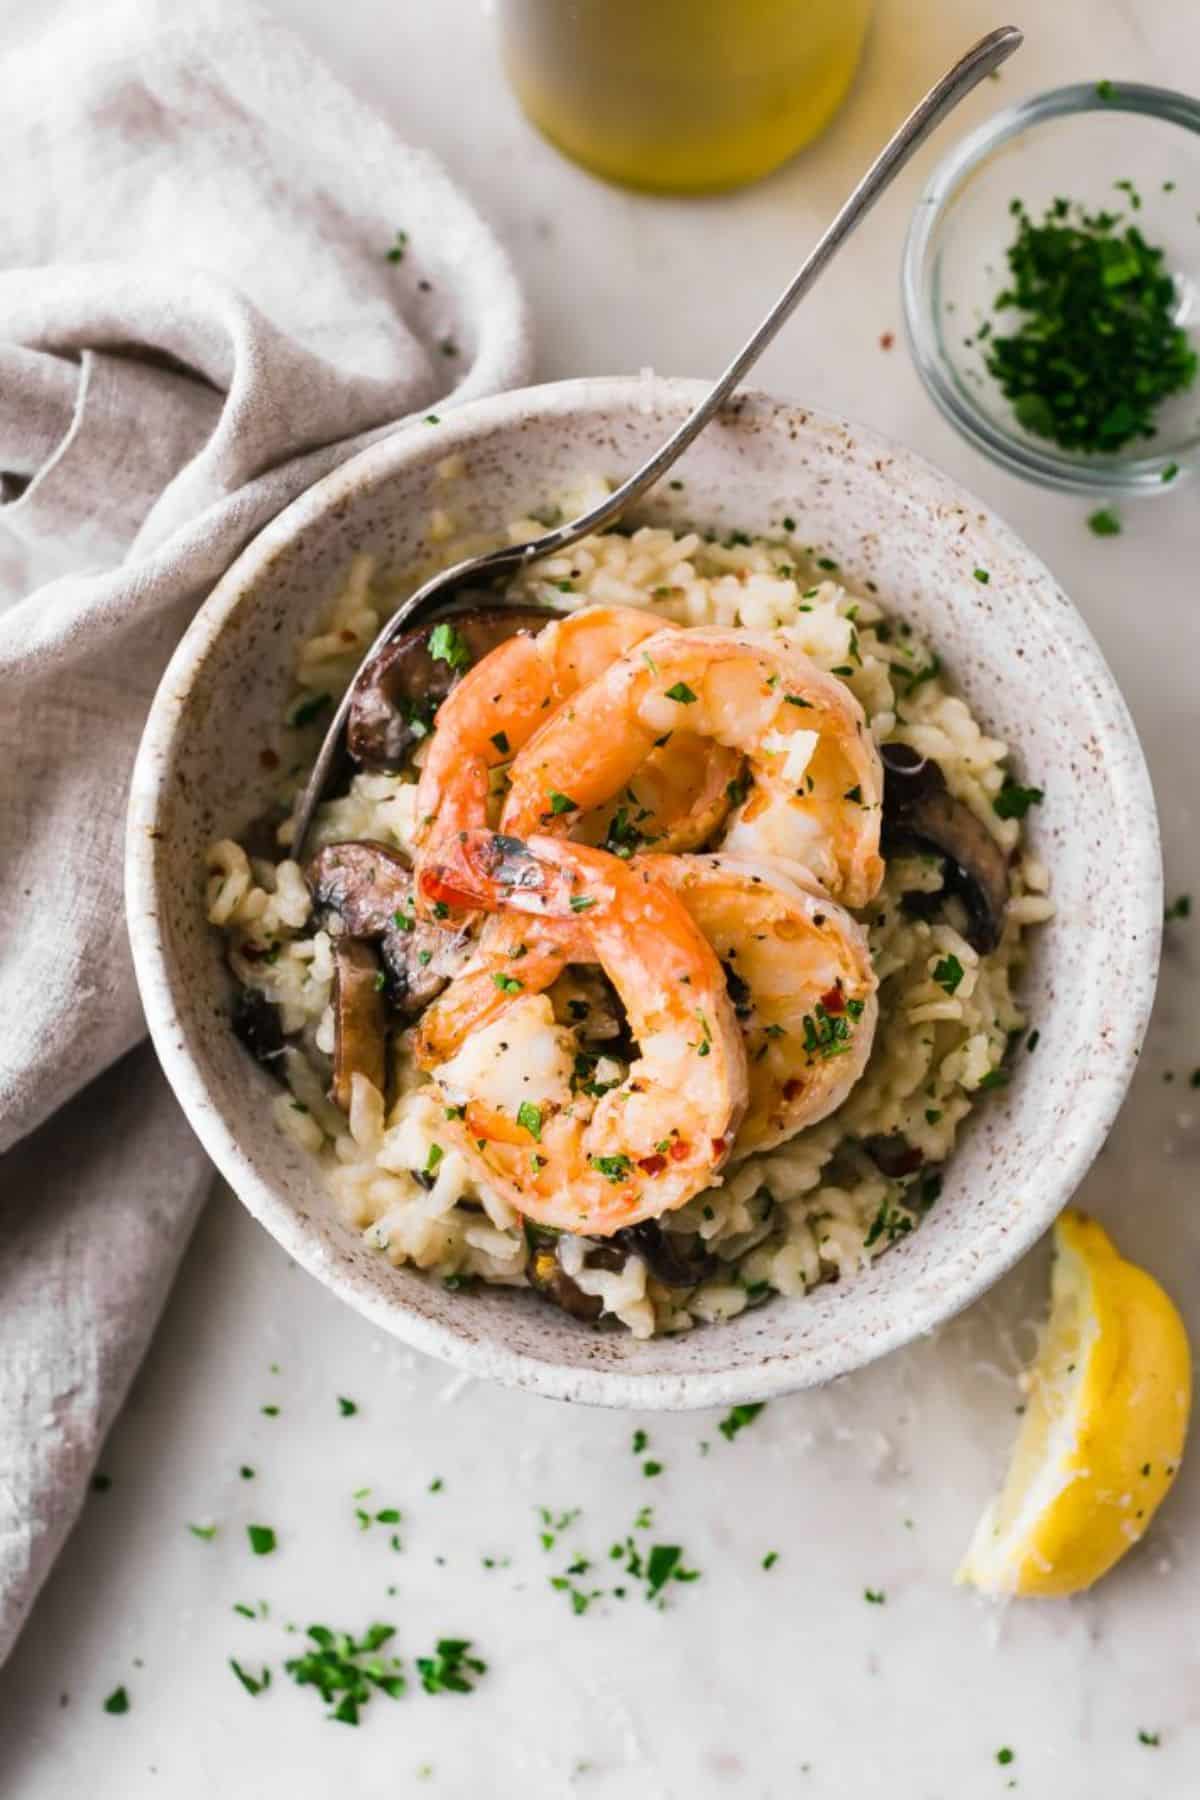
<point>681,96</point>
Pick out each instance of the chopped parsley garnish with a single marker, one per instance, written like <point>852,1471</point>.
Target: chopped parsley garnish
<point>448,645</point>
<point>117,1702</point>
<point>826,1035</point>
<point>1180,908</point>
<point>347,1408</point>
<point>795,700</point>
<point>789,524</point>
<point>640,1440</point>
<point>380,981</point>
<point>440,910</point>
<point>770,1559</point>
<point>1104,522</point>
<point>396,253</point>
<point>207,1532</point>
<point>262,1539</point>
<point>346,1672</point>
<point>948,973</point>
<point>1097,347</point>
<point>651,1469</point>
<point>1005,1756</point>
<point>681,692</point>
<point>874,1596</point>
<point>253,1684</point>
<point>436,1153</point>
<point>1014,801</point>
<point>1169,471</point>
<point>1105,90</point>
<point>995,1078</point>
<point>665,1563</point>
<point>826,562</point>
<point>246,1472</point>
<point>1032,1041</point>
<point>270,1412</point>
<point>529,1117</point>
<point>616,1168</point>
<point>1150,1738</point>
<point>982,576</point>
<point>500,739</point>
<point>404,921</point>
<point>739,1417</point>
<point>450,1668</point>
<point>582,902</point>
<point>889,1222</point>
<point>508,984</point>
<point>562,803</point>
<point>854,794</point>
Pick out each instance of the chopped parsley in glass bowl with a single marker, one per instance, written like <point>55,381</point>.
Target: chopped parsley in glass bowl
<point>1052,288</point>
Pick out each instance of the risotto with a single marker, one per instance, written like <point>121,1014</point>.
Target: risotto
<point>945,934</point>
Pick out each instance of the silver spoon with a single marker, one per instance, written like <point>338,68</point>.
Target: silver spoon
<point>438,593</point>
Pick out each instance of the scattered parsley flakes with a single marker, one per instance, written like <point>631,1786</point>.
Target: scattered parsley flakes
<point>1180,908</point>
<point>1014,801</point>
<point>253,1684</point>
<point>346,1672</point>
<point>739,1417</point>
<point>562,803</point>
<point>436,1153</point>
<point>207,1532</point>
<point>508,984</point>
<point>529,1117</point>
<point>270,1412</point>
<point>616,1168</point>
<point>582,902</point>
<point>449,646</point>
<point>262,1539</point>
<point>1169,471</point>
<point>347,1408</point>
<point>640,1440</point>
<point>874,1596</point>
<point>682,693</point>
<point>995,1078</point>
<point>770,1559</point>
<point>1104,522</point>
<point>948,973</point>
<point>1105,90</point>
<point>396,253</point>
<point>1152,1739</point>
<point>1005,1756</point>
<point>246,1472</point>
<point>500,739</point>
<point>450,1668</point>
<point>982,576</point>
<point>650,1469</point>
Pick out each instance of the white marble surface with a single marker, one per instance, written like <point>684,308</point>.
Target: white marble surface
<point>754,1683</point>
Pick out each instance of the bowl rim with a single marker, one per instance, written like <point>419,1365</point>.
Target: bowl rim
<point>965,1278</point>
<point>1119,476</point>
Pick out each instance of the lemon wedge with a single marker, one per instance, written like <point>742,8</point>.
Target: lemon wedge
<point>1105,1420</point>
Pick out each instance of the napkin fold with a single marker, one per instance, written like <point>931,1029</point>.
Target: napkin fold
<point>199,317</point>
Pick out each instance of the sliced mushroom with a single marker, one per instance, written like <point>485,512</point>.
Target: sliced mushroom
<point>893,1155</point>
<point>402,687</point>
<point>360,1026</point>
<point>551,1280</point>
<point>364,890</point>
<point>671,1257</point>
<point>919,808</point>
<point>257,1023</point>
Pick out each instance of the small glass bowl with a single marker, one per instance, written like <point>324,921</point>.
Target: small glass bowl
<point>1078,142</point>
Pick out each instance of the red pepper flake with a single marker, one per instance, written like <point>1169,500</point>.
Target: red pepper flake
<point>718,1145</point>
<point>652,1165</point>
<point>268,759</point>
<point>886,340</point>
<point>679,1151</point>
<point>834,1001</point>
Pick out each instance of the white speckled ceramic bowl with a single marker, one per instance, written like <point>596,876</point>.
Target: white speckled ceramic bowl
<point>1016,648</point>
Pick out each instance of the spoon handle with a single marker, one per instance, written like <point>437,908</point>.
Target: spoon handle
<point>982,60</point>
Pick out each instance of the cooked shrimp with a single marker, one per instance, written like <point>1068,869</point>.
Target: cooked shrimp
<point>816,789</point>
<point>499,704</point>
<point>583,1155</point>
<point>800,978</point>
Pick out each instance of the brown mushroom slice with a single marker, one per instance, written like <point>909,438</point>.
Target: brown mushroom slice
<point>401,688</point>
<point>919,808</point>
<point>363,889</point>
<point>359,1020</point>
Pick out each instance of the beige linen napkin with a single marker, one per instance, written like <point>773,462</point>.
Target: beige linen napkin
<point>198,318</point>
